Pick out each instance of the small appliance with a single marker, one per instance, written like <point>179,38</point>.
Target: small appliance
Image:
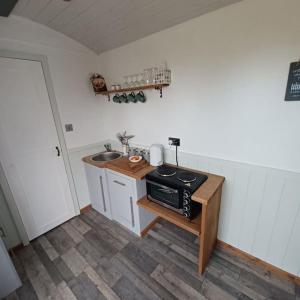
<point>156,155</point>
<point>173,188</point>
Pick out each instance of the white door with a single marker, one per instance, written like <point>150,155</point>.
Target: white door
<point>121,198</point>
<point>28,139</point>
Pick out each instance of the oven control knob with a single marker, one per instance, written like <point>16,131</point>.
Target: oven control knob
<point>185,202</point>
<point>186,194</point>
<point>186,214</point>
<point>187,208</point>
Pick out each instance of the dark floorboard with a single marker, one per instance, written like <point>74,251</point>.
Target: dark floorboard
<point>91,257</point>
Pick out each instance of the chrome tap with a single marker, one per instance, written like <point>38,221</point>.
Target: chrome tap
<point>108,147</point>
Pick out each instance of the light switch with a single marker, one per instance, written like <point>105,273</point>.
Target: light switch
<point>69,127</point>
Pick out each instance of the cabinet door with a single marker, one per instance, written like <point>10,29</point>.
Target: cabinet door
<point>97,184</point>
<point>120,190</point>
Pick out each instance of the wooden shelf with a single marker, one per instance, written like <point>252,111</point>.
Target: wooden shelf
<point>131,89</point>
<point>193,226</point>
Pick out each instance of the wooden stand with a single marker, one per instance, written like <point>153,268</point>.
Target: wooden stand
<point>205,225</point>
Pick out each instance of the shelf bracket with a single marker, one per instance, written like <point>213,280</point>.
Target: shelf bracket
<point>160,90</point>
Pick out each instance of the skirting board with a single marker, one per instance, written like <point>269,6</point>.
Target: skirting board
<point>85,208</point>
<point>258,262</point>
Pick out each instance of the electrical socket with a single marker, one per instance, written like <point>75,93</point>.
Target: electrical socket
<point>174,141</point>
<point>69,127</point>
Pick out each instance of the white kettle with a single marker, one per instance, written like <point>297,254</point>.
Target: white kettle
<point>156,155</point>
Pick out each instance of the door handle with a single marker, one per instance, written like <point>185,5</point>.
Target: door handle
<point>120,183</point>
<point>132,214</point>
<point>102,191</point>
<point>58,151</point>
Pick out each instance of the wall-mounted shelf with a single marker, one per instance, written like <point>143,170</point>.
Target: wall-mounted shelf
<point>158,86</point>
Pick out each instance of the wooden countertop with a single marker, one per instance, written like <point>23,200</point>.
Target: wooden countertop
<point>207,190</point>
<point>124,166</point>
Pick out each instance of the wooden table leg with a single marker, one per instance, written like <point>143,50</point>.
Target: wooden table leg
<point>209,229</point>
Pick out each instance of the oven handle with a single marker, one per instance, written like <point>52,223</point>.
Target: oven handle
<point>164,188</point>
<point>168,191</point>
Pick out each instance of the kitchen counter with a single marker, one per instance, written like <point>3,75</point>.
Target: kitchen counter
<point>205,225</point>
<point>124,166</point>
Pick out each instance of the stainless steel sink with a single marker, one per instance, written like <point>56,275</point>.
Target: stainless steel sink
<point>107,156</point>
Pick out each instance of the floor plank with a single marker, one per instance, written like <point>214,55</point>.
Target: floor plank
<point>91,257</point>
<point>127,290</point>
<point>173,284</point>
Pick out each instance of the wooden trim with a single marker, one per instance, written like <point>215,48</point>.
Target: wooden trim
<point>85,209</point>
<point>157,86</point>
<point>258,262</point>
<point>15,249</point>
<point>209,229</point>
<point>149,226</point>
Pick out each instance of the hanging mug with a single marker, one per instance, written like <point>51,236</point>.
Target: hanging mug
<point>123,98</point>
<point>132,97</point>
<point>116,98</point>
<point>140,96</point>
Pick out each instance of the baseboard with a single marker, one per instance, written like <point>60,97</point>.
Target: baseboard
<point>149,226</point>
<point>12,251</point>
<point>85,209</point>
<point>258,262</point>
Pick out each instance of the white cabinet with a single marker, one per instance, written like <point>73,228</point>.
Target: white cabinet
<point>97,183</point>
<point>121,196</point>
<point>115,195</point>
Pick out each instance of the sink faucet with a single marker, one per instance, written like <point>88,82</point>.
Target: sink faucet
<point>107,147</point>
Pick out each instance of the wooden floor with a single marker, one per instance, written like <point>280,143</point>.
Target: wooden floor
<point>90,257</point>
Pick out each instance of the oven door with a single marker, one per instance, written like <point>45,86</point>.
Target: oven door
<point>161,193</point>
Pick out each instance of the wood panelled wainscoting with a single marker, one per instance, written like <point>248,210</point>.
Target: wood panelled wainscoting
<point>260,207</point>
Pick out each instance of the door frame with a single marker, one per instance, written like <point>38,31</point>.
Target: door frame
<point>59,129</point>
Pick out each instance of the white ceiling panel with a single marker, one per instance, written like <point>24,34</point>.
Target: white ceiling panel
<point>33,8</point>
<point>106,24</point>
<point>71,13</point>
<point>51,11</point>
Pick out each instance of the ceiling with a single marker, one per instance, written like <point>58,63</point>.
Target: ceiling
<point>106,24</point>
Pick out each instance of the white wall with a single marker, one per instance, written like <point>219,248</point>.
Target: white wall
<point>70,65</point>
<point>229,74</point>
<point>226,103</point>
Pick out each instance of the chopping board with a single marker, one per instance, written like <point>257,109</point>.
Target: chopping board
<point>124,165</point>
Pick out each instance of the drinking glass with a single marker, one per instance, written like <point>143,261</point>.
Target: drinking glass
<point>142,79</point>
<point>126,84</point>
<point>148,76</point>
<point>136,81</point>
<point>154,75</point>
<point>130,83</point>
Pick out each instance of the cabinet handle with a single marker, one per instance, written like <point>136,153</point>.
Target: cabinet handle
<point>120,183</point>
<point>132,214</point>
<point>102,191</point>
